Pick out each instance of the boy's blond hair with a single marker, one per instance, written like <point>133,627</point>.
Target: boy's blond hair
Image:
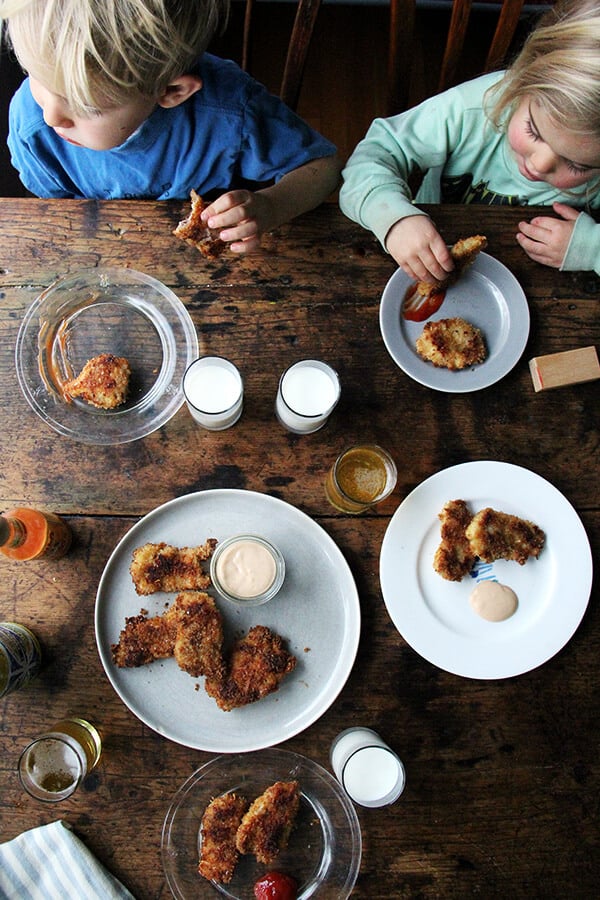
<point>559,68</point>
<point>97,53</point>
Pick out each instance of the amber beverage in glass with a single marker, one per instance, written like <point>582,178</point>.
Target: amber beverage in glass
<point>53,766</point>
<point>360,477</point>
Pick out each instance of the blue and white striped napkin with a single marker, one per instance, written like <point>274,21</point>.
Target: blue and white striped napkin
<point>52,863</point>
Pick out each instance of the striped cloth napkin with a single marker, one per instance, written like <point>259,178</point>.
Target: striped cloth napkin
<point>52,863</point>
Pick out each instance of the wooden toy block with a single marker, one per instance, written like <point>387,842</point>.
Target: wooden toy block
<point>561,369</point>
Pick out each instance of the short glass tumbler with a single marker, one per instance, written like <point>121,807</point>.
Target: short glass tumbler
<point>214,392</point>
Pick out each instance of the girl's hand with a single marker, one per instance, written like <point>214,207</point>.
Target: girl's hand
<point>545,239</point>
<point>419,249</point>
<point>241,217</point>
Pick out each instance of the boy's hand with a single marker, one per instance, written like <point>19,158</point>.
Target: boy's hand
<point>545,239</point>
<point>419,249</point>
<point>240,217</point>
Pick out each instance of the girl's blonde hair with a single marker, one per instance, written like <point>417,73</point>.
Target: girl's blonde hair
<point>96,53</point>
<point>559,68</point>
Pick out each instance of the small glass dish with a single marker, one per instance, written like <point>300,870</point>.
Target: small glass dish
<point>91,312</point>
<point>247,569</point>
<point>324,849</point>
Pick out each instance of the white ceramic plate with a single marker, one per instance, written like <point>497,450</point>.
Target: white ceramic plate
<point>317,612</point>
<point>434,615</point>
<point>324,850</point>
<point>96,311</point>
<point>489,297</point>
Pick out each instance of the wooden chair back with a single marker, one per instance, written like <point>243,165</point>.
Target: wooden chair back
<point>297,51</point>
<point>402,45</point>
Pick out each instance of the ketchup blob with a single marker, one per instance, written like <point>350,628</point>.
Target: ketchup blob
<point>417,308</point>
<point>276,886</point>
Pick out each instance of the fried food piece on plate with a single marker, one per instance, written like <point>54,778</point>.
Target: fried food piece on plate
<point>454,556</point>
<point>220,822</point>
<point>257,665</point>
<point>162,567</point>
<point>103,381</point>
<point>451,344</point>
<point>463,252</point>
<point>198,646</point>
<point>191,630</point>
<point>145,639</point>
<point>195,232</point>
<point>265,828</point>
<point>499,535</point>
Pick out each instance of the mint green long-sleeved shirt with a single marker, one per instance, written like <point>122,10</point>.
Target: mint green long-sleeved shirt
<point>465,160</point>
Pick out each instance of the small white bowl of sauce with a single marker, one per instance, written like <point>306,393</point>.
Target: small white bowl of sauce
<point>247,569</point>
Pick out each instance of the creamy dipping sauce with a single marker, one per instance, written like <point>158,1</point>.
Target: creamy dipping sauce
<point>493,601</point>
<point>246,569</point>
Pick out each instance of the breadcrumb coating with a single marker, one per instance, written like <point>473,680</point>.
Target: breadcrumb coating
<point>265,828</point>
<point>499,535</point>
<point>218,851</point>
<point>451,344</point>
<point>162,567</point>
<point>257,665</point>
<point>195,232</point>
<point>103,381</point>
<point>454,556</point>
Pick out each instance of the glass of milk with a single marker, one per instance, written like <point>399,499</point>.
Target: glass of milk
<point>214,392</point>
<point>368,770</point>
<point>307,395</point>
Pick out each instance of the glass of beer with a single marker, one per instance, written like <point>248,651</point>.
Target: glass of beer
<point>52,767</point>
<point>359,478</point>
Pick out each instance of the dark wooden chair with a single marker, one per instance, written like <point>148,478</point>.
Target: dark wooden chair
<point>297,51</point>
<point>402,45</point>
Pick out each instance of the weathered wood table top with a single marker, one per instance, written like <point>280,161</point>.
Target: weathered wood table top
<point>502,775</point>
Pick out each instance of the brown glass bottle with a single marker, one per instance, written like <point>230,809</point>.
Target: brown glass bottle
<point>30,534</point>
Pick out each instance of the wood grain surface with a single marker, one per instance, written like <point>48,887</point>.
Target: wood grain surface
<point>502,775</point>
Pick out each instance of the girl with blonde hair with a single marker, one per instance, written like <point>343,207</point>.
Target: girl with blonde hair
<point>527,136</point>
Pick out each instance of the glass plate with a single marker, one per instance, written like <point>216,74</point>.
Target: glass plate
<point>118,311</point>
<point>324,849</point>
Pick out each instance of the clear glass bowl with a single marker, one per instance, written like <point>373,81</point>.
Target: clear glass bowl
<point>324,849</point>
<point>118,311</point>
<point>254,599</point>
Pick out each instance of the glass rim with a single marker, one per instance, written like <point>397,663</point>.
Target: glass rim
<point>324,367</point>
<point>37,792</point>
<point>256,599</point>
<point>389,462</point>
<point>232,368</point>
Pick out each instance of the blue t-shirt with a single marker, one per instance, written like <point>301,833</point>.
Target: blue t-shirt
<point>229,134</point>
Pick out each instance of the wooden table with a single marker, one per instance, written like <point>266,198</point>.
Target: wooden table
<point>502,775</point>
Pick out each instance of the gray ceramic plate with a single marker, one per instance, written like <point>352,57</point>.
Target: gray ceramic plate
<point>316,611</point>
<point>489,297</point>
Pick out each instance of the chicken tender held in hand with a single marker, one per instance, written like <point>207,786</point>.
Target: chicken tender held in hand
<point>194,231</point>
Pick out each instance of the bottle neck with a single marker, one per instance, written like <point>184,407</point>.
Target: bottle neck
<point>12,532</point>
